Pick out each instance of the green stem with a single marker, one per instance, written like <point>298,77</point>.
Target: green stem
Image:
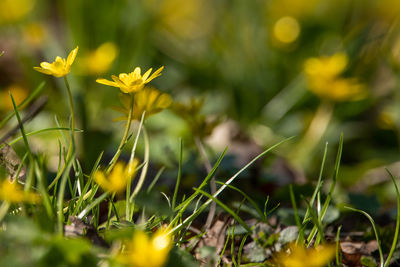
<point>123,141</point>
<point>71,107</point>
<point>71,146</point>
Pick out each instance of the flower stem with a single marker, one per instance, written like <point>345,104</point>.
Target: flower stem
<point>71,146</point>
<point>71,107</point>
<point>314,133</point>
<point>123,141</point>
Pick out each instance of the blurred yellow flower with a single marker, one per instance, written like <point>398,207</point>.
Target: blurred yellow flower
<point>119,177</point>
<point>299,256</point>
<point>14,10</point>
<point>323,77</point>
<point>387,119</point>
<point>19,93</point>
<point>35,34</point>
<point>60,67</point>
<point>286,29</point>
<point>183,19</point>
<point>132,82</point>
<point>13,193</point>
<point>100,60</point>
<point>327,67</point>
<point>149,99</point>
<point>143,251</point>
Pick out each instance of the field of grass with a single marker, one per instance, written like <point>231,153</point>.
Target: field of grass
<point>152,133</point>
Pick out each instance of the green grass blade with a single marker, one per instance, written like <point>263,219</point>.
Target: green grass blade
<point>23,104</point>
<point>252,202</point>
<point>43,190</point>
<point>300,237</point>
<point>153,183</point>
<point>42,131</point>
<point>185,203</point>
<point>332,188</point>
<point>318,187</point>
<point>227,209</point>
<point>202,207</point>
<point>87,185</point>
<point>60,197</point>
<point>338,253</point>
<point>21,126</point>
<point>178,179</point>
<point>397,229</point>
<point>317,223</point>
<point>373,227</point>
<point>223,250</point>
<point>92,205</point>
<point>241,248</point>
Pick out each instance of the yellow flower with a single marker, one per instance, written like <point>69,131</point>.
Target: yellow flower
<point>119,177</point>
<point>13,193</point>
<point>143,251</point>
<point>132,82</point>
<point>14,10</point>
<point>327,67</point>
<point>299,256</point>
<point>149,99</point>
<point>60,67</point>
<point>35,34</point>
<point>323,77</point>
<point>286,30</point>
<point>99,61</point>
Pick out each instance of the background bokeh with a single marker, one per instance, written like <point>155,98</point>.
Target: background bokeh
<point>260,71</point>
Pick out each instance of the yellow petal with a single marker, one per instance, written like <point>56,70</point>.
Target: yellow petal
<point>164,101</point>
<point>155,74</point>
<point>107,82</point>
<point>71,56</point>
<point>45,71</point>
<point>136,73</point>
<point>144,77</point>
<point>123,76</point>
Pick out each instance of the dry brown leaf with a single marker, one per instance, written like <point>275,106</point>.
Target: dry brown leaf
<point>10,160</point>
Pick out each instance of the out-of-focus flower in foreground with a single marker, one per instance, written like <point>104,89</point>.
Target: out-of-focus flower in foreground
<point>99,61</point>
<point>60,67</point>
<point>323,77</point>
<point>119,177</point>
<point>14,10</point>
<point>286,30</point>
<point>143,251</point>
<point>149,99</point>
<point>12,192</point>
<point>299,256</point>
<point>132,82</point>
